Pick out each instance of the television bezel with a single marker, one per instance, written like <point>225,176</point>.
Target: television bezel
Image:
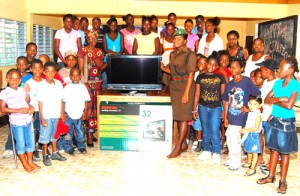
<point>134,87</point>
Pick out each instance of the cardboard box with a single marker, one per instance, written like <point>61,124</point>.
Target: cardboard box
<point>135,126</point>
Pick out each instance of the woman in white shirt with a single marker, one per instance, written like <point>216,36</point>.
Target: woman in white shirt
<point>211,41</point>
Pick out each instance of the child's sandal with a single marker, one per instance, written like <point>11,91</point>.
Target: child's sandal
<point>265,180</point>
<point>282,187</point>
<point>246,165</point>
<point>250,172</point>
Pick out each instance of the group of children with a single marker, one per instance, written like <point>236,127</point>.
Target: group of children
<point>259,108</point>
<point>255,111</point>
<point>35,102</point>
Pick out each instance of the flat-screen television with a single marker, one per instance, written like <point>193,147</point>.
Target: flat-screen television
<point>133,72</point>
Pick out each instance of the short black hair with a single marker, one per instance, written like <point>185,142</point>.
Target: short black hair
<point>292,61</point>
<point>144,18</point>
<point>214,56</point>
<point>21,58</point>
<point>30,44</point>
<point>189,20</point>
<point>84,18</point>
<point>67,16</point>
<point>234,32</point>
<point>50,64</point>
<point>75,18</point>
<point>13,70</point>
<point>224,52</point>
<point>36,61</point>
<point>240,61</point>
<point>260,39</point>
<point>256,98</point>
<point>200,56</point>
<point>126,16</point>
<point>96,18</point>
<point>199,16</point>
<point>75,69</point>
<point>171,14</point>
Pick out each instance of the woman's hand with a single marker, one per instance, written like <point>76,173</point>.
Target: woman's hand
<point>245,109</point>
<point>242,131</point>
<point>226,122</point>
<point>24,110</point>
<point>185,98</point>
<point>43,122</point>
<point>63,116</point>
<point>195,115</point>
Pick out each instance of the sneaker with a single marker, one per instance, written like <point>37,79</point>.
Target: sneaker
<point>199,146</point>
<point>36,156</point>
<point>216,159</point>
<point>57,156</point>
<point>7,154</point>
<point>227,163</point>
<point>62,151</point>
<point>204,155</point>
<point>40,147</point>
<point>82,150</point>
<point>187,141</point>
<point>195,143</point>
<point>46,160</point>
<point>264,169</point>
<point>71,151</point>
<point>232,168</point>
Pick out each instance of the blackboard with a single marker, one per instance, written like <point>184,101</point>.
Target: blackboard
<point>279,36</point>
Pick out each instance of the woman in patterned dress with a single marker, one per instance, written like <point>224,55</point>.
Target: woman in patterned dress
<point>90,61</point>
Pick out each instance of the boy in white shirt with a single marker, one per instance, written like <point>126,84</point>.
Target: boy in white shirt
<point>75,99</point>
<point>49,103</point>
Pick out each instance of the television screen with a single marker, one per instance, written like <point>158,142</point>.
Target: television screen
<point>134,72</point>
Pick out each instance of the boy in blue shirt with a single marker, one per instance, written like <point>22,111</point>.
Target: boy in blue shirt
<point>235,100</point>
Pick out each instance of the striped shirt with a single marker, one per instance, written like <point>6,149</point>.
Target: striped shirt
<point>16,99</point>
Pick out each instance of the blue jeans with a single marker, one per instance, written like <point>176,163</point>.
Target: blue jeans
<point>8,145</point>
<point>74,124</point>
<point>104,78</point>
<point>47,133</point>
<point>24,136</point>
<point>36,122</point>
<point>210,120</point>
<point>265,126</point>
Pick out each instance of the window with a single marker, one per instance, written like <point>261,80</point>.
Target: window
<point>42,36</point>
<point>12,41</point>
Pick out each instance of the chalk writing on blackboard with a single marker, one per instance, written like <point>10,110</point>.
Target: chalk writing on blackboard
<point>279,36</point>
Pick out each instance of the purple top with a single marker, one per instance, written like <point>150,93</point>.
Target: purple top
<point>16,99</point>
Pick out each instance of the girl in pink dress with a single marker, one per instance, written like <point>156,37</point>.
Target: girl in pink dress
<point>129,33</point>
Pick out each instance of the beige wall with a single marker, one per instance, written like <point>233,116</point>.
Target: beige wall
<point>160,8</point>
<point>13,9</point>
<point>54,22</point>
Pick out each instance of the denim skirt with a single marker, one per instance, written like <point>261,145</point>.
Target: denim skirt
<point>252,143</point>
<point>282,135</point>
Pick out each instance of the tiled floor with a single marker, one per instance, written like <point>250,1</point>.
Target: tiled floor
<point>135,173</point>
